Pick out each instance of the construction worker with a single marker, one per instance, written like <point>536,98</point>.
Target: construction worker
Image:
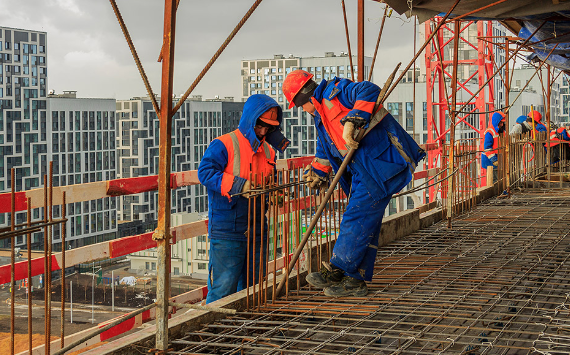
<point>523,125</point>
<point>225,170</point>
<point>559,148</point>
<point>491,143</point>
<point>382,165</point>
<point>537,117</point>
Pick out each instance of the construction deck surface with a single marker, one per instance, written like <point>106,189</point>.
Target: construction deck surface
<point>496,283</point>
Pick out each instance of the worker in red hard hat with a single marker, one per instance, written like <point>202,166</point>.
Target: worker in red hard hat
<point>537,118</point>
<point>383,164</point>
<point>226,168</point>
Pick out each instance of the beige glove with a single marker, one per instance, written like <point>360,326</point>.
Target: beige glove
<point>348,135</point>
<point>246,188</point>
<point>496,163</point>
<point>314,180</point>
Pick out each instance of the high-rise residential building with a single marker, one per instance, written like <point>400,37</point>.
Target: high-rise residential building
<point>194,126</point>
<point>82,132</point>
<point>265,76</point>
<point>23,112</point>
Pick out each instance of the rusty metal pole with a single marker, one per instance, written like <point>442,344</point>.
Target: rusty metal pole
<point>162,232</point>
<point>360,67</point>
<point>507,146</point>
<point>547,107</point>
<point>452,111</point>
<point>347,40</point>
<point>12,258</point>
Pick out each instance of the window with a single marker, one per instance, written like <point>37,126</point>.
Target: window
<point>201,266</point>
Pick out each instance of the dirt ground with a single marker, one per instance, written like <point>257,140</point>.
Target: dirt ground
<point>127,298</point>
<point>21,343</point>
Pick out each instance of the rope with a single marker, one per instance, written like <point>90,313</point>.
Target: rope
<point>216,55</point>
<point>135,56</point>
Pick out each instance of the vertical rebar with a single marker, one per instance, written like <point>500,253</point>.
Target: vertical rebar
<point>347,40</point>
<point>275,230</point>
<point>261,245</point>
<point>248,251</point>
<point>63,248</point>
<point>456,30</point>
<point>254,236</point>
<point>29,286</point>
<point>360,15</point>
<point>49,245</point>
<point>46,186</point>
<point>12,258</point>
<point>298,226</point>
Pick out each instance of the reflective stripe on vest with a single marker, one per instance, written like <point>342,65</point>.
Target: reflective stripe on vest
<point>242,161</point>
<point>491,152</point>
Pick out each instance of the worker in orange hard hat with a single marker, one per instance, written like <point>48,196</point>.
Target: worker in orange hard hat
<point>230,161</point>
<point>383,164</point>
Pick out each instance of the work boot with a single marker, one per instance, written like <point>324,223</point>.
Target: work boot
<point>349,286</point>
<point>329,275</point>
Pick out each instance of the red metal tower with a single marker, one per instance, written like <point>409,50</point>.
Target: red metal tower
<point>474,70</point>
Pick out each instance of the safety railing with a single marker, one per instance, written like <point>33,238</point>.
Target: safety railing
<point>291,205</point>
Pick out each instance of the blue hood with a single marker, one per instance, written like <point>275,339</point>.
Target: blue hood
<point>521,119</point>
<point>495,119</point>
<point>252,109</point>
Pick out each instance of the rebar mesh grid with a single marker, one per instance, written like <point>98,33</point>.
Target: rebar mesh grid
<point>496,283</point>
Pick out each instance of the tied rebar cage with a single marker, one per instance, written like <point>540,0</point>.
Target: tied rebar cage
<point>497,282</point>
<point>288,205</point>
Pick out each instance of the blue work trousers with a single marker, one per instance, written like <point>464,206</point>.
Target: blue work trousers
<point>227,269</point>
<point>357,243</point>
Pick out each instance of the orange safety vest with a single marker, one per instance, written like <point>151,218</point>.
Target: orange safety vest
<point>492,152</point>
<point>554,140</point>
<point>331,113</point>
<point>242,161</point>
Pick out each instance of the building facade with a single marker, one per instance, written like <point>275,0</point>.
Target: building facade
<point>265,76</point>
<point>82,136</point>
<point>23,115</point>
<point>194,126</point>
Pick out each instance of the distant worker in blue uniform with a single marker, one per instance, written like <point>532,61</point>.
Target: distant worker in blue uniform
<point>382,165</point>
<point>559,144</point>
<point>490,157</point>
<point>523,125</point>
<point>225,170</point>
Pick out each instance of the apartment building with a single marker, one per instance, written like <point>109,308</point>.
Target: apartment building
<point>265,76</point>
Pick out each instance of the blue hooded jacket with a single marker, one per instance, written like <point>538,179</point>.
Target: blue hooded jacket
<point>490,156</point>
<point>228,218</point>
<point>377,161</point>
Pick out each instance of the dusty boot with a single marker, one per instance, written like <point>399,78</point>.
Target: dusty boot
<point>349,286</point>
<point>329,275</point>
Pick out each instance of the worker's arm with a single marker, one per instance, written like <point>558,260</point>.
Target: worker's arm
<point>488,147</point>
<point>211,171</point>
<point>361,97</point>
<point>321,165</point>
<point>517,129</point>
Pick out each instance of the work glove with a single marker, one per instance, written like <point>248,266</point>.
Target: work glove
<point>245,189</point>
<point>496,163</point>
<point>315,181</point>
<point>348,135</point>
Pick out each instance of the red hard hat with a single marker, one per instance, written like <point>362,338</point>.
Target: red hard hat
<point>535,115</point>
<point>293,83</point>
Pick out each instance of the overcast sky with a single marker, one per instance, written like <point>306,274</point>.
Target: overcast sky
<point>87,51</point>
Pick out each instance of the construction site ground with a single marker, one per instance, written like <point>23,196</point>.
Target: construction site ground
<point>496,282</point>
<point>127,299</point>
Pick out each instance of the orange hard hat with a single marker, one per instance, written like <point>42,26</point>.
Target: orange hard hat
<point>270,116</point>
<point>293,83</point>
<point>535,115</point>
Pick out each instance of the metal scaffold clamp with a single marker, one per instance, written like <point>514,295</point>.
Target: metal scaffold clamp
<point>159,235</point>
